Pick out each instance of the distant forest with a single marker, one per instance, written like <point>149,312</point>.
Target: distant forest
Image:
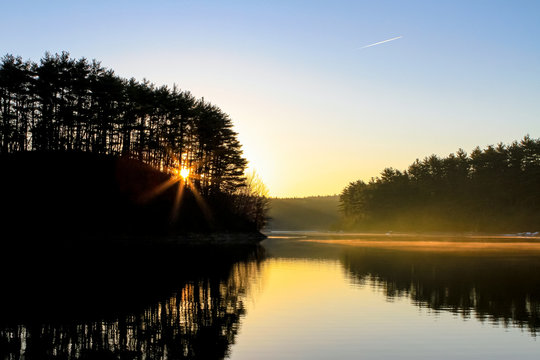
<point>491,189</point>
<point>309,213</point>
<point>64,105</point>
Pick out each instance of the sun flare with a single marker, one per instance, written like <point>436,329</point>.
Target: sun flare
<point>184,173</point>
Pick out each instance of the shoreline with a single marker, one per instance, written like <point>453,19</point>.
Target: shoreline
<point>391,234</point>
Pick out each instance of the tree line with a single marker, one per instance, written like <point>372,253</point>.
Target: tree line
<point>65,104</point>
<point>492,189</point>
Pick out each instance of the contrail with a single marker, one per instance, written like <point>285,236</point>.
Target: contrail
<point>381,42</point>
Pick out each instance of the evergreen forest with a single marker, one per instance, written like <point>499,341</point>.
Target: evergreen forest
<point>63,105</point>
<point>492,189</point>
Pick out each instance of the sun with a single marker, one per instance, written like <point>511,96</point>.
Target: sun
<point>184,173</point>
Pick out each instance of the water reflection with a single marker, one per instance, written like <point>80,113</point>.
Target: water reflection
<point>498,287</point>
<point>183,304</point>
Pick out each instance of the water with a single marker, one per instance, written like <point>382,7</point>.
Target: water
<point>394,298</point>
<point>298,296</point>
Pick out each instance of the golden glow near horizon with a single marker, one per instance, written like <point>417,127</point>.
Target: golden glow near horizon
<point>293,290</point>
<point>354,131</point>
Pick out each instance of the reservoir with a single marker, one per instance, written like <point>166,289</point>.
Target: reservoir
<point>296,296</point>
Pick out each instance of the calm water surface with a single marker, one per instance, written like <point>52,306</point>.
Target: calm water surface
<point>298,296</point>
<point>380,298</point>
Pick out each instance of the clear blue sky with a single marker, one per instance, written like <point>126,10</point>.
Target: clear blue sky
<point>313,108</point>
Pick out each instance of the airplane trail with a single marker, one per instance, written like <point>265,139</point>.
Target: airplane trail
<point>381,42</point>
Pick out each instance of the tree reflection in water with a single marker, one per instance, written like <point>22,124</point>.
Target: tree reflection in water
<point>496,287</point>
<point>198,321</point>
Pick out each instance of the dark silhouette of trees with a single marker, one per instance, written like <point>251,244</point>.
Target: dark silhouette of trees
<point>63,104</point>
<point>492,189</point>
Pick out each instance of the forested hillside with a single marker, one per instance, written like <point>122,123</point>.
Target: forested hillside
<point>491,189</point>
<point>77,107</point>
<point>309,213</point>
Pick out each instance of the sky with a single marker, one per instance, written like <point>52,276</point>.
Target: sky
<point>314,105</point>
